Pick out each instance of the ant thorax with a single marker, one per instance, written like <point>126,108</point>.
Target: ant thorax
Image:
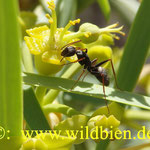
<point>79,52</point>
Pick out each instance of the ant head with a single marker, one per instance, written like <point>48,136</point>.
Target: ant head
<point>68,52</point>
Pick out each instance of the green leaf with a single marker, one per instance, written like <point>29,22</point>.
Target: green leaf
<point>11,102</point>
<point>92,90</point>
<point>136,49</point>
<point>33,114</point>
<point>105,8</point>
<point>71,127</point>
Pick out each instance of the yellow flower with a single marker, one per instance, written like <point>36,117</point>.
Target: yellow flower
<point>46,42</point>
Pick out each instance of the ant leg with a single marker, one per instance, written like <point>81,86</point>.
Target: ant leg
<point>105,95</point>
<point>101,63</point>
<point>78,79</point>
<point>93,62</point>
<point>112,66</point>
<point>74,61</point>
<point>62,58</point>
<point>85,76</point>
<point>71,44</point>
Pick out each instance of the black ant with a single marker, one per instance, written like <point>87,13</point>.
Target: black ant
<point>84,60</point>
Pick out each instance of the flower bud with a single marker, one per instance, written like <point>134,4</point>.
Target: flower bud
<point>101,53</point>
<point>103,39</point>
<point>112,121</point>
<point>115,110</point>
<point>100,118</point>
<point>93,29</point>
<point>104,125</point>
<point>95,32</point>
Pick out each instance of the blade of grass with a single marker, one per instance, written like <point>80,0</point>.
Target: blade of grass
<point>105,8</point>
<point>92,90</point>
<point>33,114</point>
<point>11,103</point>
<point>136,49</point>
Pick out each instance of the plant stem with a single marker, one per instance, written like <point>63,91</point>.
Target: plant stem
<point>40,92</point>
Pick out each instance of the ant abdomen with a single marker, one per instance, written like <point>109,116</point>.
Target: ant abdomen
<point>102,76</point>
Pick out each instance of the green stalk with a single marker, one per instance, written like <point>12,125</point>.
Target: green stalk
<point>136,49</point>
<point>11,102</point>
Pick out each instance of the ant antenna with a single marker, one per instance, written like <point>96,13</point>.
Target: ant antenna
<point>70,44</point>
<point>61,59</point>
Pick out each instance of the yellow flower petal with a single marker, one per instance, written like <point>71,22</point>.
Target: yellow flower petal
<point>52,57</point>
<point>44,67</point>
<point>72,58</point>
<point>39,32</point>
<point>34,45</point>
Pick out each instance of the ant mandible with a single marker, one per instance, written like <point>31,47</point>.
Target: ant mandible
<point>84,60</point>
